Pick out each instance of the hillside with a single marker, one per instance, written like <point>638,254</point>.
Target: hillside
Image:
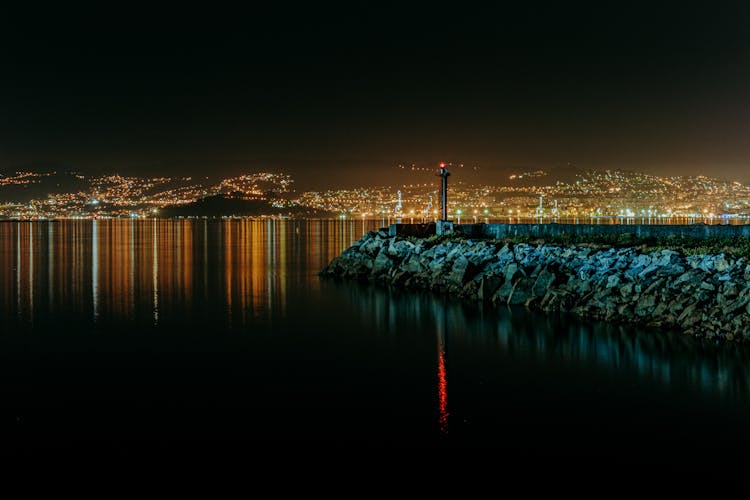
<point>220,205</point>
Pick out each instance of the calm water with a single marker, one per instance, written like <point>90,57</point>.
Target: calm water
<point>121,333</point>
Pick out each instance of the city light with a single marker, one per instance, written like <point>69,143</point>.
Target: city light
<point>594,193</point>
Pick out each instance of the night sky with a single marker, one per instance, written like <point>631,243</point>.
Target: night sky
<point>348,93</point>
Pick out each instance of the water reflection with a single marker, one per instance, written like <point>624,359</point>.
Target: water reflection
<point>17,267</point>
<point>50,263</point>
<point>156,271</point>
<point>442,376</point>
<point>660,360</point>
<point>95,268</point>
<point>245,275</point>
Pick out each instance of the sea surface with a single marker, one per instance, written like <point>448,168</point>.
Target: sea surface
<point>135,335</point>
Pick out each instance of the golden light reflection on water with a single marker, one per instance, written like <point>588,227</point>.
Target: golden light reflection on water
<point>157,270</point>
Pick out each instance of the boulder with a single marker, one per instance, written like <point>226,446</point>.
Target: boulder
<point>586,271</point>
<point>488,285</point>
<point>480,255</point>
<point>651,269</point>
<point>505,253</point>
<point>579,286</point>
<point>383,262</point>
<point>645,305</point>
<point>400,247</point>
<point>722,263</point>
<point>613,281</point>
<point>544,280</point>
<point>641,261</point>
<point>521,291</point>
<point>503,293</point>
<point>690,316</point>
<point>414,264</point>
<point>692,277</point>
<point>665,258</point>
<point>462,271</point>
<point>655,286</point>
<point>511,270</point>
<point>371,246</point>
<point>602,294</point>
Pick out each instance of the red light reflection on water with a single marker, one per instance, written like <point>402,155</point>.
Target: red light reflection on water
<point>442,391</point>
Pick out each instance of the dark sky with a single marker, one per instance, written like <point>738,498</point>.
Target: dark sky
<point>346,92</point>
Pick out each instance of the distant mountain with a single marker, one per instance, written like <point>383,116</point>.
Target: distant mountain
<point>565,173</point>
<point>38,185</point>
<point>221,205</point>
<point>515,176</point>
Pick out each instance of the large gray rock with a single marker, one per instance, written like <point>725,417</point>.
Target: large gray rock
<point>605,294</point>
<point>665,258</point>
<point>656,286</point>
<point>428,253</point>
<point>586,271</point>
<point>626,290</point>
<point>371,246</point>
<point>455,252</point>
<point>690,315</point>
<point>521,291</point>
<point>651,269</point>
<point>461,271</point>
<point>400,248</point>
<point>437,264</point>
<point>613,281</point>
<point>506,253</point>
<point>722,263</point>
<point>544,280</point>
<point>383,262</point>
<point>641,261</point>
<point>692,277</point>
<point>503,293</point>
<point>488,285</point>
<point>511,271</point>
<point>645,305</point>
<point>415,264</point>
<point>481,253</point>
<point>520,251</point>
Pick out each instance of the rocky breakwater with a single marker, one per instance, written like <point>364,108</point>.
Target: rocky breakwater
<point>706,295</point>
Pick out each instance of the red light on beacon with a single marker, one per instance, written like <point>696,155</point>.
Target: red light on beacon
<point>442,165</point>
